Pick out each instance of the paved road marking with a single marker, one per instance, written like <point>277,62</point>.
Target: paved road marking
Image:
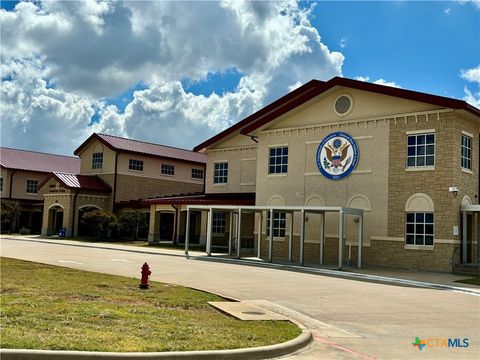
<point>121,260</point>
<point>69,262</point>
<point>340,347</point>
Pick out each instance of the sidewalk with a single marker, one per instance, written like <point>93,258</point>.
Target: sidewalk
<point>403,277</point>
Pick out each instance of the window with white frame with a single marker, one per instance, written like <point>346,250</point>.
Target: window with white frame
<point>32,186</point>
<point>97,160</point>
<point>197,174</point>
<point>421,150</point>
<point>218,222</point>
<point>1,183</point>
<point>220,173</point>
<point>278,160</point>
<point>168,169</point>
<point>466,152</point>
<point>279,223</point>
<point>419,228</point>
<point>136,165</point>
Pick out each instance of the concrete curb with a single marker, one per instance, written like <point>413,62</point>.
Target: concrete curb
<point>262,352</point>
<point>343,274</point>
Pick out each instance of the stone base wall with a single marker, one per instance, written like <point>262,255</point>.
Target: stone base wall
<point>381,253</point>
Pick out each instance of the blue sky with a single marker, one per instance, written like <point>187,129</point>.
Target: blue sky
<point>153,70</point>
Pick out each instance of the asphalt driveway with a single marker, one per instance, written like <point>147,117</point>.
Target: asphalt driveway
<point>351,319</point>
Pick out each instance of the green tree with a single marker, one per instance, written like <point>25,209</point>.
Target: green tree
<point>101,221</point>
<point>132,221</point>
<point>10,211</point>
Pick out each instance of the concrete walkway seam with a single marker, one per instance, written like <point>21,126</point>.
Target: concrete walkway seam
<point>261,352</point>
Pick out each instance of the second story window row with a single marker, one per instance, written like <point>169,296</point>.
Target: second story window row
<point>168,169</point>
<point>466,152</point>
<point>97,160</point>
<point>220,173</point>
<point>32,186</point>
<point>421,150</point>
<point>278,160</point>
<point>136,165</point>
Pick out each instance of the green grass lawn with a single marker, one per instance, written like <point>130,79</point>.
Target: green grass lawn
<point>50,307</point>
<point>471,281</point>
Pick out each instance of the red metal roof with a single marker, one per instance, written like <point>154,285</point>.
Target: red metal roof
<point>314,88</point>
<point>36,161</point>
<point>146,148</point>
<point>80,182</point>
<point>206,199</point>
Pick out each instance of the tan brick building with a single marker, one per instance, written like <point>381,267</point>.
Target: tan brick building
<point>115,171</point>
<point>21,172</point>
<point>410,160</point>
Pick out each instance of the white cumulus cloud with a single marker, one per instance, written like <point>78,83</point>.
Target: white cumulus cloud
<point>94,50</point>
<point>378,81</point>
<point>472,75</point>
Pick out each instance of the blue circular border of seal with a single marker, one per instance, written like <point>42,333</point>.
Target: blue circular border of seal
<point>355,155</point>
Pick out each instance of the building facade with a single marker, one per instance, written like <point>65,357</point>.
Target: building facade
<point>21,172</point>
<point>115,171</point>
<point>408,159</point>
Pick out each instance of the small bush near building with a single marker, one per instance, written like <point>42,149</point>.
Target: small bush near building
<point>102,222</point>
<point>10,211</point>
<point>24,231</point>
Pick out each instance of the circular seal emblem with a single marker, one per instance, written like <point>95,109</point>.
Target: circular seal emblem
<point>337,155</point>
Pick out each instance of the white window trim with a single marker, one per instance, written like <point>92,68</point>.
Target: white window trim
<point>134,170</point>
<point>419,247</point>
<point>272,147</point>
<point>467,170</point>
<point>420,168</point>
<point>213,178</point>
<point>170,175</point>
<point>425,167</point>
<point>30,193</point>
<point>466,133</point>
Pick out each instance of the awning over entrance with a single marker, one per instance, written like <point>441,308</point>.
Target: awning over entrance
<point>469,209</point>
<point>302,210</point>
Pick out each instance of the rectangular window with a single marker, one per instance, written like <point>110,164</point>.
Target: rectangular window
<point>421,150</point>
<point>278,160</point>
<point>466,152</point>
<point>419,228</point>
<point>97,160</point>
<point>279,223</point>
<point>136,165</point>
<point>32,186</point>
<point>218,222</point>
<point>168,169</point>
<point>1,183</point>
<point>220,173</point>
<point>197,174</point>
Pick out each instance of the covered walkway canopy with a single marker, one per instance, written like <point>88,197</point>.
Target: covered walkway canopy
<point>472,209</point>
<point>303,210</point>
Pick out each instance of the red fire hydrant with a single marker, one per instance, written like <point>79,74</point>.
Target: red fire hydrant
<point>145,274</point>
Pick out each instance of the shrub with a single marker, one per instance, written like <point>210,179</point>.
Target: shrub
<point>24,231</point>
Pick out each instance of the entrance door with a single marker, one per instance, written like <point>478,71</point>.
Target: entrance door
<point>167,221</point>
<point>58,222</point>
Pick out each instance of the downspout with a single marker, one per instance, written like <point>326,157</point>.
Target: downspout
<point>177,221</point>
<point>74,212</point>
<point>115,181</point>
<point>11,184</point>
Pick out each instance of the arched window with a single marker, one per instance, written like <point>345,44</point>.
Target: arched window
<point>419,220</point>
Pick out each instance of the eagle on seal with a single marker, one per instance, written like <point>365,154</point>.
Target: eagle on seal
<point>337,153</point>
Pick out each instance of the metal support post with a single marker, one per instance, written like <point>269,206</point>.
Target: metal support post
<point>239,232</point>
<point>302,235</point>
<point>290,238</point>
<point>340,239</point>
<point>187,232</point>
<point>209,232</point>
<point>360,241</point>
<point>270,237</point>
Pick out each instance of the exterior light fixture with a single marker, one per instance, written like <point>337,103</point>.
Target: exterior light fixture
<point>453,190</point>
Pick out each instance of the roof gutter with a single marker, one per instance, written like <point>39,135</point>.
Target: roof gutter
<point>11,184</point>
